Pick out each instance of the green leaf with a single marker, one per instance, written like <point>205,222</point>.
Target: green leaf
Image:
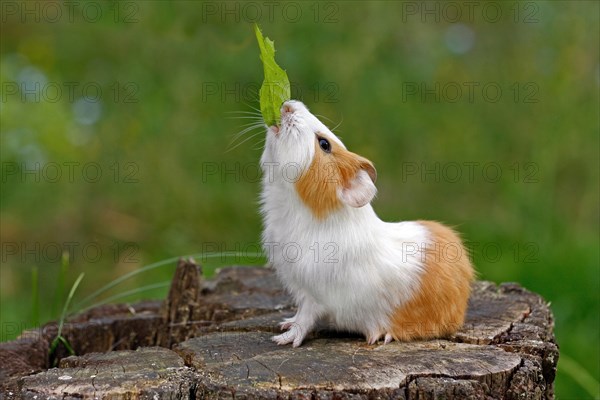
<point>276,85</point>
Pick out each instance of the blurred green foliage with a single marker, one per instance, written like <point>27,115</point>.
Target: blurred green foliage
<point>140,171</point>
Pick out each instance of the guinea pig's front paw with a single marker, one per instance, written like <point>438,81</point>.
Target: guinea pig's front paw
<point>294,335</point>
<point>287,323</point>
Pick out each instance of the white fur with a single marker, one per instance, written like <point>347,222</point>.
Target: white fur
<point>361,190</point>
<point>350,269</point>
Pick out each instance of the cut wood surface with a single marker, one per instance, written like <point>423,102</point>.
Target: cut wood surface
<point>215,342</point>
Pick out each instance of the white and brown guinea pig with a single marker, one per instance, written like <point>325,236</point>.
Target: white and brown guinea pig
<point>344,266</point>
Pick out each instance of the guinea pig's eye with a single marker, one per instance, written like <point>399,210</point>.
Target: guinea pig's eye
<point>324,144</point>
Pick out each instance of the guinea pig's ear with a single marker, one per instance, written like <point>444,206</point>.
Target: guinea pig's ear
<point>361,189</point>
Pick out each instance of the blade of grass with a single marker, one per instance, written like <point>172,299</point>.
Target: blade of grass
<point>156,265</point>
<point>59,338</point>
<point>60,286</point>
<point>67,345</point>
<point>35,296</point>
<point>580,375</point>
<point>128,293</point>
<point>68,301</point>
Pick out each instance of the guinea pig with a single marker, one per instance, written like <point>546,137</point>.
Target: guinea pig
<point>343,266</point>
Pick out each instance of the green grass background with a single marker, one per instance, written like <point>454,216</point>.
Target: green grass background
<point>169,73</point>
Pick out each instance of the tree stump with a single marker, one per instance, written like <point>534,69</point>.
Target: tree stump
<point>215,343</point>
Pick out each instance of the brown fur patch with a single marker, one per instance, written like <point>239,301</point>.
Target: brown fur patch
<point>318,185</point>
<point>438,307</point>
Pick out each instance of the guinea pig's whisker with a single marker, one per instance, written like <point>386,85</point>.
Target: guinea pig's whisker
<point>338,125</point>
<point>255,114</point>
<point>254,110</point>
<point>247,128</point>
<point>243,112</point>
<point>250,128</point>
<point>255,96</point>
<point>252,123</point>
<point>330,120</point>
<point>243,134</point>
<point>243,141</point>
<point>321,116</point>
<point>263,140</point>
<point>260,143</point>
<point>255,121</point>
<point>246,117</point>
<point>252,107</point>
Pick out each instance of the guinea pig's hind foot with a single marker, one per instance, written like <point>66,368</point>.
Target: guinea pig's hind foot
<point>374,338</point>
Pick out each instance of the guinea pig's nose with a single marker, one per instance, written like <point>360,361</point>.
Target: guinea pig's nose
<point>287,108</point>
